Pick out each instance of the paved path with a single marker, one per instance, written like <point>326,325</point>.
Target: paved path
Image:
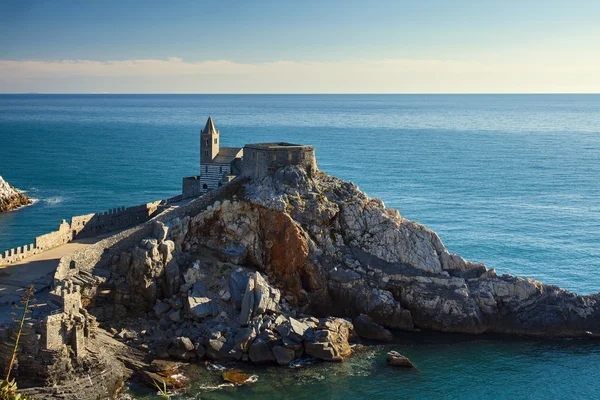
<point>37,269</point>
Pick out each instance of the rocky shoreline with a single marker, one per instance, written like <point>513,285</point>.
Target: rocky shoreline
<point>11,198</point>
<point>290,267</point>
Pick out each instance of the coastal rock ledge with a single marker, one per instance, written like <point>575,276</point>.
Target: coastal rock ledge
<point>10,197</point>
<point>295,264</point>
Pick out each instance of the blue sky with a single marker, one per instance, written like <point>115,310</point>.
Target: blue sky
<point>279,38</point>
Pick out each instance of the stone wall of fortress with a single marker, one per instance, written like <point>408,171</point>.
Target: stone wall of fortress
<point>262,159</point>
<point>83,226</point>
<point>100,254</point>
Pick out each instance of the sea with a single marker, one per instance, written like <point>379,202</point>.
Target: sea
<point>512,181</point>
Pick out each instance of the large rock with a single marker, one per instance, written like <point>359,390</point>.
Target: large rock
<point>259,352</point>
<point>237,286</point>
<point>396,359</point>
<point>260,297</point>
<point>11,198</point>
<point>199,305</point>
<point>283,355</point>
<point>330,342</point>
<point>243,339</point>
<point>182,348</point>
<point>366,328</point>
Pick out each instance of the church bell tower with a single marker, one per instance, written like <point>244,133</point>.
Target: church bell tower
<point>209,142</point>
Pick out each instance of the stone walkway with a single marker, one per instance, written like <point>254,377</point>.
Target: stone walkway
<point>37,269</point>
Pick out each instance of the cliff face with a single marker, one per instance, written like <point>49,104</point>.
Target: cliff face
<point>11,198</point>
<point>333,250</point>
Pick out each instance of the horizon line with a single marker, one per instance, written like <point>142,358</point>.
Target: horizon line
<point>297,94</point>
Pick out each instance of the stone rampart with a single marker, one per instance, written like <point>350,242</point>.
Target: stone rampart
<point>83,226</point>
<point>100,254</point>
<point>262,159</point>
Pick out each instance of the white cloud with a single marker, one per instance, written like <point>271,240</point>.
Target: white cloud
<point>174,75</point>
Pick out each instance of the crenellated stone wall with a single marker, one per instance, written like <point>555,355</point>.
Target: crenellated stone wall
<point>100,253</point>
<point>83,226</point>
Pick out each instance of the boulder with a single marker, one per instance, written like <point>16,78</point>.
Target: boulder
<point>366,328</point>
<point>260,352</point>
<point>182,348</point>
<point>160,231</point>
<point>237,286</point>
<point>283,355</point>
<point>164,367</point>
<point>161,308</point>
<point>398,360</point>
<point>260,297</point>
<point>330,342</point>
<point>266,296</point>
<point>243,339</point>
<point>247,307</point>
<point>200,350</point>
<point>175,316</point>
<point>199,305</point>
<point>298,329</point>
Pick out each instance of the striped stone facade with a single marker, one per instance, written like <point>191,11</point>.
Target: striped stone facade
<point>213,176</point>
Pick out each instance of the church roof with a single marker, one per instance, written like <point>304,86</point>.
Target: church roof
<point>227,155</point>
<point>209,128</point>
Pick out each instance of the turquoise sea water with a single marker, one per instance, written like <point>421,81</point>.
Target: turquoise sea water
<point>509,180</point>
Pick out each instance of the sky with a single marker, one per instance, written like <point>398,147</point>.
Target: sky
<point>327,46</point>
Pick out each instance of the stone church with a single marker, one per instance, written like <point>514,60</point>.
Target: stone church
<point>218,165</point>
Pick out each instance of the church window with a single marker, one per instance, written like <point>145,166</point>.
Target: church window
<point>206,142</point>
<point>206,168</point>
<point>220,183</point>
<point>205,186</point>
<point>289,156</point>
<point>215,140</point>
<point>220,170</point>
<point>205,152</point>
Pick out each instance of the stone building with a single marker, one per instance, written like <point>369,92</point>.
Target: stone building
<point>218,165</point>
<point>262,159</point>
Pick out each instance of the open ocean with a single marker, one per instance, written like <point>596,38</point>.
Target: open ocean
<point>509,180</point>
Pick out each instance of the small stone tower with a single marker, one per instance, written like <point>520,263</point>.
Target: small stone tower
<point>209,142</point>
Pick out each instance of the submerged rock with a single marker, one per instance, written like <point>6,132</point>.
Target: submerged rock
<point>235,376</point>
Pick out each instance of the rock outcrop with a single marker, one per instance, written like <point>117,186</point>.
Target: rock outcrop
<point>10,197</point>
<point>274,270</point>
<point>332,250</point>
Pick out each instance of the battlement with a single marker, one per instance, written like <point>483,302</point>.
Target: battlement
<point>262,159</point>
<point>83,226</point>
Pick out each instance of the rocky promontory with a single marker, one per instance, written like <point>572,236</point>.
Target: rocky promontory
<point>10,197</point>
<point>295,265</point>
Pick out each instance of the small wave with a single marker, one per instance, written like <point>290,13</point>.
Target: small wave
<point>52,201</point>
<point>221,386</point>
